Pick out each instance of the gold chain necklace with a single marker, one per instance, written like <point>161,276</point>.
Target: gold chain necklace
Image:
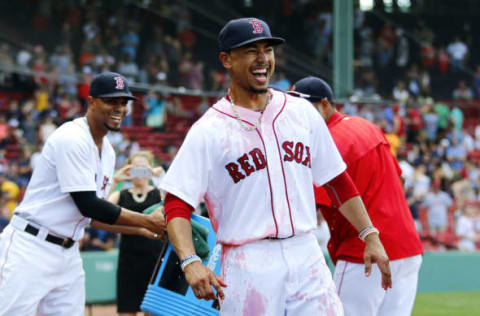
<point>244,126</point>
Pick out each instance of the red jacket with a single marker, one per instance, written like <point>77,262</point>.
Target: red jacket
<point>376,174</point>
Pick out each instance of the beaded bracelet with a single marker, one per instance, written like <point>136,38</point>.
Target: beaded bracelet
<point>367,231</point>
<point>190,259</point>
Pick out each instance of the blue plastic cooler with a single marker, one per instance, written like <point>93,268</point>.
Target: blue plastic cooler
<point>168,294</point>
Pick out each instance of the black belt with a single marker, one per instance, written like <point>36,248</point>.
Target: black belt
<point>277,238</point>
<point>64,242</point>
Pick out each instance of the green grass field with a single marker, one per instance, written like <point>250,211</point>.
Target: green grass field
<point>448,304</point>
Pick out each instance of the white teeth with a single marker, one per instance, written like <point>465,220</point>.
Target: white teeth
<point>260,71</point>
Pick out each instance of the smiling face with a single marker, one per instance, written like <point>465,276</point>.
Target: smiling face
<point>108,112</point>
<point>250,66</point>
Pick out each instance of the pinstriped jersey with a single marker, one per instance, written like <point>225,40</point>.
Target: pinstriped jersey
<point>69,162</point>
<point>257,183</point>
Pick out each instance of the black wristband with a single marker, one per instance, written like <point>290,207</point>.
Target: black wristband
<point>95,208</point>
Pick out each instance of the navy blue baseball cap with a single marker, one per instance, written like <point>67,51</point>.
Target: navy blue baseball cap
<point>110,85</point>
<point>312,88</point>
<point>240,32</point>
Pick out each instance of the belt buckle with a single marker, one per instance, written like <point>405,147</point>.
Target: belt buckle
<point>67,243</point>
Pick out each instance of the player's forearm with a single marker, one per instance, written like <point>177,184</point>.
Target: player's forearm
<point>121,229</point>
<point>180,235</point>
<point>355,212</point>
<point>130,218</point>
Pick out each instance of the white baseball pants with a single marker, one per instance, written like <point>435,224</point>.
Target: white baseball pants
<point>364,296</point>
<point>38,277</point>
<point>278,277</point>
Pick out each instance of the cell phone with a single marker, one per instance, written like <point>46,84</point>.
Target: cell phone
<point>140,172</point>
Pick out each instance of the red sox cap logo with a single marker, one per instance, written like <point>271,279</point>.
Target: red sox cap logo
<point>257,26</point>
<point>119,84</point>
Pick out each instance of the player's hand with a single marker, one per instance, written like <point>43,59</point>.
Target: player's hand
<point>158,222</point>
<point>375,253</point>
<point>151,235</point>
<point>201,279</point>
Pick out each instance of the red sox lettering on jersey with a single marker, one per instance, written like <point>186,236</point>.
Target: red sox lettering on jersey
<point>298,153</point>
<point>256,183</point>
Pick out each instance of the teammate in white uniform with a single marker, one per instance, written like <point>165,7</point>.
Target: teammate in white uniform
<point>41,270</point>
<point>254,157</point>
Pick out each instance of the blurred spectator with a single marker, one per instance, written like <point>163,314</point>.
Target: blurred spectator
<point>467,228</point>
<point>414,124</point>
<point>437,203</point>
<point>3,127</point>
<point>458,52</point>
<point>431,123</point>
<point>130,41</point>
<point>47,127</point>
<point>155,113</point>
<point>398,126</point>
<point>400,93</point>
<point>456,117</point>
<point>413,204</point>
<point>463,92</point>
<point>385,45</point>
<point>403,49</point>
<point>443,112</point>
<point>99,240</point>
<point>10,193</point>
<point>367,47</point>
<point>413,80</point>
<point>421,182</point>
<point>137,254</point>
<point>281,82</point>
<point>219,80</point>
<point>128,68</point>
<point>4,214</point>
<point>443,60</point>
<point>428,54</point>
<point>456,154</point>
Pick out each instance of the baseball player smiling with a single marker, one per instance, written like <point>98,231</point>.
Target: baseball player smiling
<point>41,269</point>
<point>254,157</point>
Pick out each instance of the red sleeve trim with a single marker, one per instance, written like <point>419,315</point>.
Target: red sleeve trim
<point>176,207</point>
<point>341,189</point>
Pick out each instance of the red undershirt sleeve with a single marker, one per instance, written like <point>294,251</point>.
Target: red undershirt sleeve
<point>340,189</point>
<point>175,207</point>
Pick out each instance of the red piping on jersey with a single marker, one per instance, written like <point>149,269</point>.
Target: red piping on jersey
<point>281,163</point>
<point>268,173</point>
<point>75,229</point>
<point>341,280</point>
<point>269,185</point>
<point>6,255</point>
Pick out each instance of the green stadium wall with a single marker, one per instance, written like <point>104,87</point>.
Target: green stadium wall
<point>449,271</point>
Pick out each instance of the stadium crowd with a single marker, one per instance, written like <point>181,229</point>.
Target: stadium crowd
<point>44,79</point>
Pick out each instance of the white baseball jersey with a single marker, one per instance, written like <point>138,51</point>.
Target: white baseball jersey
<point>69,162</point>
<point>259,183</point>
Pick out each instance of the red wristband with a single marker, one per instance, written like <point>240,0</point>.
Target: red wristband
<point>175,207</point>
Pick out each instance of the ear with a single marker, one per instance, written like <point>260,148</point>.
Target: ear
<point>92,104</point>
<point>225,59</point>
<point>326,106</point>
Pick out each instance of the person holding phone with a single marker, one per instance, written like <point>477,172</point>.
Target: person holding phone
<point>137,254</point>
